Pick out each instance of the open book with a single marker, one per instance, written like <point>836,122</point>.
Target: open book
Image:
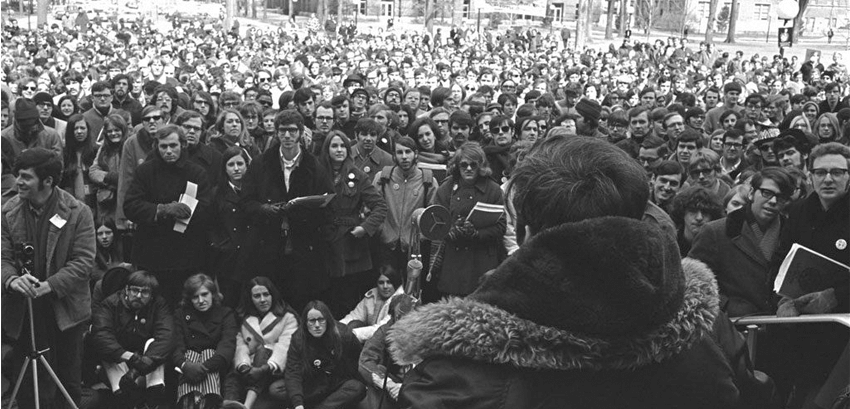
<point>485,214</point>
<point>312,202</point>
<point>804,271</point>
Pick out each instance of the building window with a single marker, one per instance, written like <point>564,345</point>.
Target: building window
<point>387,8</point>
<point>702,9</point>
<point>762,11</point>
<point>361,7</point>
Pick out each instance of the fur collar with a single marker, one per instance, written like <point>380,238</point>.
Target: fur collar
<point>465,328</point>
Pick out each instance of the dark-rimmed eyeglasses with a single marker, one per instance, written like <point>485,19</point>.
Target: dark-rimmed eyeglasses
<point>769,194</point>
<point>835,172</point>
<point>503,129</point>
<point>468,165</point>
<point>695,173</point>
<point>153,118</point>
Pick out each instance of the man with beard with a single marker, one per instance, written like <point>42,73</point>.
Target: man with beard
<point>170,238</point>
<point>27,131</point>
<point>405,188</point>
<point>460,125</point>
<point>740,248</point>
<point>792,149</point>
<point>587,122</point>
<point>132,336</point>
<point>165,97</point>
<point>733,162</point>
<point>44,104</point>
<point>101,95</point>
<point>122,99</point>
<point>666,182</point>
<point>60,230</point>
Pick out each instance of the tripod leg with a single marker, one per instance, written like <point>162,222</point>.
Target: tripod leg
<point>56,381</point>
<point>18,382</point>
<point>37,397</point>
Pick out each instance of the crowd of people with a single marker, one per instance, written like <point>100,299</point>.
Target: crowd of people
<point>219,219</point>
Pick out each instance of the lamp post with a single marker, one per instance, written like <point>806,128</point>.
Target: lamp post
<point>787,10</point>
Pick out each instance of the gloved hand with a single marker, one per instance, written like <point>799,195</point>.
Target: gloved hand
<point>193,372</point>
<point>268,209</point>
<point>257,374</point>
<point>786,308</point>
<point>467,230</point>
<point>174,210</point>
<point>128,381</point>
<point>820,302</point>
<point>141,363</point>
<point>243,370</point>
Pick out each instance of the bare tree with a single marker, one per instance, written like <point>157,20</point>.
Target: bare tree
<point>230,12</point>
<point>429,17</point>
<point>582,23</point>
<point>733,22</point>
<point>712,13</point>
<point>41,12</point>
<point>799,27</point>
<point>609,24</point>
<point>623,18</point>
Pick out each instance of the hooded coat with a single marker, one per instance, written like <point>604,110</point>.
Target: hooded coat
<point>596,314</point>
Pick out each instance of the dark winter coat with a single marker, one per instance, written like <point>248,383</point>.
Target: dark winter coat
<point>326,371</point>
<point>743,273</point>
<point>309,229</point>
<point>595,314</point>
<point>116,329</point>
<point>467,259</point>
<point>354,191</point>
<point>156,246</point>
<point>230,231</point>
<point>198,331</point>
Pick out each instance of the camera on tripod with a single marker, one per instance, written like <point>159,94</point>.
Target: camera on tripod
<point>25,256</point>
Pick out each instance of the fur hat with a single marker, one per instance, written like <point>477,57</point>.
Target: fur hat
<point>25,109</point>
<point>42,97</point>
<point>589,109</point>
<point>608,276</point>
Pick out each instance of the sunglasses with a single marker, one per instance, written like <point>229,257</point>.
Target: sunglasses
<point>33,88</point>
<point>261,79</point>
<point>152,118</point>
<point>504,129</point>
<point>468,165</point>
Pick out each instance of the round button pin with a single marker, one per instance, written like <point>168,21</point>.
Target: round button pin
<point>841,244</point>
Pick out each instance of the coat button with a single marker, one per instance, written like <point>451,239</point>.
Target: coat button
<point>234,210</point>
<point>234,229</point>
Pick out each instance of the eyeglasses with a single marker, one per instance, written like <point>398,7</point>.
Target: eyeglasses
<point>769,194</point>
<point>695,173</point>
<point>139,291</point>
<point>504,129</point>
<point>314,321</point>
<point>28,88</point>
<point>202,102</point>
<point>836,173</point>
<point>264,79</point>
<point>324,118</point>
<point>230,104</point>
<point>152,118</point>
<point>191,128</point>
<point>101,96</point>
<point>468,165</point>
<point>290,131</point>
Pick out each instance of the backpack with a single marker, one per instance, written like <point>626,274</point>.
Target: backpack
<point>427,181</point>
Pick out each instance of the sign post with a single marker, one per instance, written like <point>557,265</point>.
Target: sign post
<point>786,36</point>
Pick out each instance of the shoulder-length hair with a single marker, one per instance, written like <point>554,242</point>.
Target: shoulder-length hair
<point>226,156</point>
<point>246,303</point>
<point>413,132</point>
<point>114,121</point>
<point>195,283</point>
<point>211,116</point>
<point>244,138</point>
<point>87,147</point>
<point>331,339</point>
<point>325,157</point>
<point>469,151</point>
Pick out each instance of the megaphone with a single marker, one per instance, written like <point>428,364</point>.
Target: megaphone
<point>433,223</point>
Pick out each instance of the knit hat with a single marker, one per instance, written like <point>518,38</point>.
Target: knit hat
<point>25,109</point>
<point>732,86</point>
<point>695,111</point>
<point>621,277</point>
<point>589,109</point>
<point>42,97</point>
<point>353,78</point>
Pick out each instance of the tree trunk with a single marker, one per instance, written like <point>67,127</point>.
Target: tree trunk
<point>429,18</point>
<point>457,13</point>
<point>624,18</point>
<point>41,12</point>
<point>339,12</point>
<point>230,11</point>
<point>712,13</point>
<point>253,9</point>
<point>798,22</point>
<point>609,24</point>
<point>733,22</point>
<point>581,24</point>
<point>321,13</point>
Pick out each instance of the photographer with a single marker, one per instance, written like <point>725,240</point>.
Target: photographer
<point>50,233</point>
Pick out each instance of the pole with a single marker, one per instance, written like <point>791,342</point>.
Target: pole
<point>478,28</point>
<point>767,37</point>
<point>29,23</point>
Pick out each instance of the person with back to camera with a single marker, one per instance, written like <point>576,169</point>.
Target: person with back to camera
<point>595,310</point>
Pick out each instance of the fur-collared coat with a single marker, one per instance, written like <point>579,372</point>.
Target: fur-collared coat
<point>596,314</point>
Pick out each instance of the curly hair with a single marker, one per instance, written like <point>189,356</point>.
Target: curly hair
<point>695,198</point>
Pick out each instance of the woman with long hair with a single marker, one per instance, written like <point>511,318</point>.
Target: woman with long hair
<point>472,247</point>
<point>107,164</point>
<point>78,156</point>
<point>66,107</point>
<point>427,135</point>
<point>204,340</point>
<point>109,253</point>
<point>230,227</point>
<point>354,190</point>
<point>498,151</point>
<point>262,344</point>
<point>230,130</point>
<point>204,104</point>
<point>321,369</point>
